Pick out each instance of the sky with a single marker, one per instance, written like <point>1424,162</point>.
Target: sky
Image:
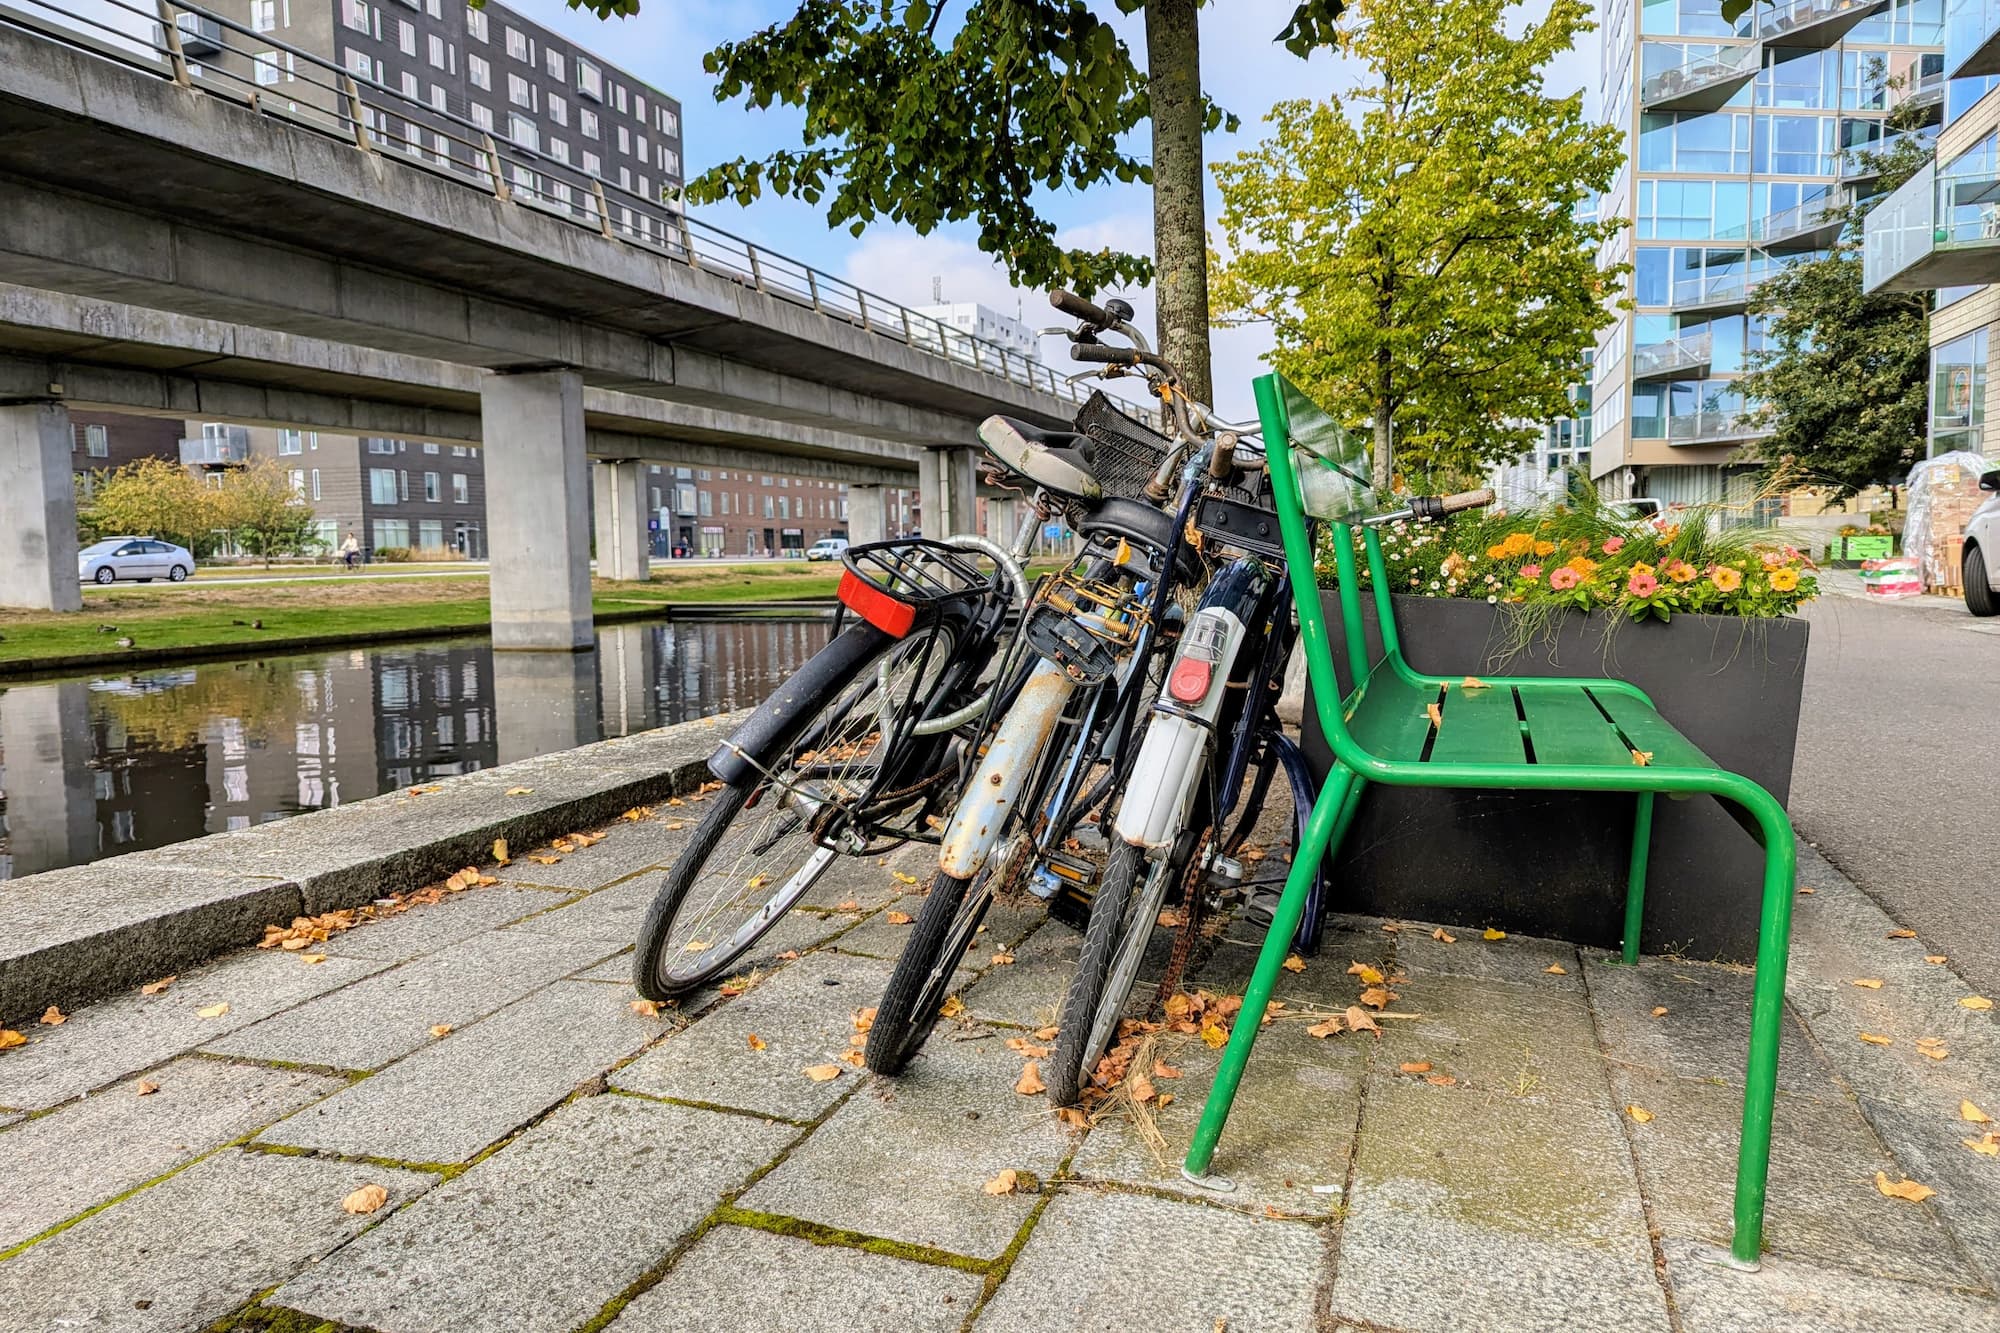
<point>1243,69</point>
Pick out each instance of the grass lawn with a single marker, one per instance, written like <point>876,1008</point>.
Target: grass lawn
<point>164,618</point>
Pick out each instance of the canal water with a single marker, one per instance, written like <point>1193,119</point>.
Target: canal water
<point>98,765</point>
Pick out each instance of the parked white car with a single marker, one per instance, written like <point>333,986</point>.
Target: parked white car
<point>141,559</point>
<point>827,548</point>
<point>1981,569</point>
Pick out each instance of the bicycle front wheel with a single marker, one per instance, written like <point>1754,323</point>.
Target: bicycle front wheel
<point>771,835</point>
<point>921,981</point>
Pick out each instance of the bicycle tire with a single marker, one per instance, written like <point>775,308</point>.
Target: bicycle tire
<point>1101,934</point>
<point>921,980</point>
<point>662,962</point>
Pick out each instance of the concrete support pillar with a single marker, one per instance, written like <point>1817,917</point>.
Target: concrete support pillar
<point>866,519</point>
<point>37,509</point>
<point>628,677</point>
<point>946,479</point>
<point>537,513</point>
<point>1002,517</point>
<point>624,542</point>
<point>544,702</point>
<point>51,790</point>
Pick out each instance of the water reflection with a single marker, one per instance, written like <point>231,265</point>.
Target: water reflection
<point>97,766</point>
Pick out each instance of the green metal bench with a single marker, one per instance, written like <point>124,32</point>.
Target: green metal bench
<point>1514,732</point>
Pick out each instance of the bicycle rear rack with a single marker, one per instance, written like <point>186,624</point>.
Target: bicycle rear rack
<point>902,585</point>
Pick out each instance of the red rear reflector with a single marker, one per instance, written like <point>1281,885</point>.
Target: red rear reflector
<point>876,607</point>
<point>1190,680</point>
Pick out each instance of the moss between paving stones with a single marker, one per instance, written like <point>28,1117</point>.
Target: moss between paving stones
<point>800,1229</point>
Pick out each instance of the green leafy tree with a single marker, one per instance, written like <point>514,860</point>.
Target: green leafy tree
<point>152,498</point>
<point>263,512</point>
<point>1415,244</point>
<point>1843,382</point>
<point>930,113</point>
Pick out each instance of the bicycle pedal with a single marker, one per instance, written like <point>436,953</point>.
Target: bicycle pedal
<point>1071,906</point>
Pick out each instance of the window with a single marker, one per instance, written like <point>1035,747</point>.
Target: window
<point>482,116</point>
<point>263,15</point>
<point>475,22</point>
<point>461,491</point>
<point>624,140</point>
<point>618,95</point>
<point>434,8</point>
<point>411,89</point>
<point>381,446</point>
<point>406,37</point>
<point>558,109</point>
<point>517,91</point>
<point>559,150</point>
<point>354,13</point>
<point>666,121</point>
<point>625,178</point>
<point>97,441</point>
<point>315,483</point>
<point>523,131</point>
<point>359,63</point>
<point>517,45</point>
<point>592,165</point>
<point>433,489</point>
<point>402,484</point>
<point>481,73</point>
<point>639,108</point>
<point>586,120</point>
<point>392,533</point>
<point>770,506</point>
<point>589,80</point>
<point>291,442</point>
<point>436,51</point>
<point>1796,145</point>
<point>437,96</point>
<point>1717,143</point>
<point>554,61</point>
<point>265,67</point>
<point>382,486</point>
<point>430,533</point>
<point>298,479</point>
<point>1958,394</point>
<point>670,162</point>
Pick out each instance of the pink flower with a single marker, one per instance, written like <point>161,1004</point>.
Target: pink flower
<point>1564,579</point>
<point>1613,545</point>
<point>1642,585</point>
<point>1531,571</point>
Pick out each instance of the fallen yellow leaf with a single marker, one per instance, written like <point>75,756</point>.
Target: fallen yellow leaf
<point>54,1017</point>
<point>1004,1183</point>
<point>1972,1114</point>
<point>520,791</point>
<point>854,1058</point>
<point>1030,1081</point>
<point>952,1007</point>
<point>1073,1117</point>
<point>214,1010</point>
<point>1369,976</point>
<point>546,860</point>
<point>1986,1145</point>
<point>1933,958</point>
<point>1868,983</point>
<point>821,1073</point>
<point>1901,935</point>
<point>1026,1049</point>
<point>1294,963</point>
<point>902,878</point>
<point>1493,934</point>
<point>1934,1052</point>
<point>756,1042</point>
<point>295,943</point>
<point>1046,1034</point>
<point>1415,1067</point>
<point>312,959</point>
<point>1902,1189</point>
<point>1808,890</point>
<point>1216,1038</point>
<point>146,1088</point>
<point>1642,757</point>
<point>441,1030</point>
<point>1659,1011</point>
<point>155,987</point>
<point>1170,920</point>
<point>365,1200</point>
<point>9,1039</point>
<point>1556,970</point>
<point>1002,959</point>
<point>1377,997</point>
<point>1639,1114</point>
<point>646,1008</point>
<point>1873,1040</point>
<point>500,850</point>
<point>1332,1027</point>
<point>849,906</point>
<point>1436,714</point>
<point>899,918</point>
<point>1473,683</point>
<point>1359,1020</point>
<point>1976,1002</point>
<point>1444,936</point>
<point>1440,1080</point>
<point>1161,1069</point>
<point>758,881</point>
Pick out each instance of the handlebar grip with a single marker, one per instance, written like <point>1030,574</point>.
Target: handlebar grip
<point>1222,462</point>
<point>1453,504</point>
<point>1077,308</point>
<point>1105,354</point>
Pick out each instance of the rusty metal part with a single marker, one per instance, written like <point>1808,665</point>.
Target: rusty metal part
<point>1194,896</point>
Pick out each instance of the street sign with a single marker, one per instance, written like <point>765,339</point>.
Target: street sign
<point>652,525</point>
<point>1053,532</point>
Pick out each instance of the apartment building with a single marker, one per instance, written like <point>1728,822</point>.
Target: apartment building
<point>1740,137</point>
<point>568,116</point>
<point>983,321</point>
<point>107,441</point>
<point>1940,231</point>
<point>390,494</point>
<point>726,511</point>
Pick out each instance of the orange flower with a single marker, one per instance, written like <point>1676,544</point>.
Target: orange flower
<point>1497,551</point>
<point>1680,571</point>
<point>1725,579</point>
<point>1583,565</point>
<point>1545,548</point>
<point>1641,567</point>
<point>1519,543</point>
<point>1784,580</point>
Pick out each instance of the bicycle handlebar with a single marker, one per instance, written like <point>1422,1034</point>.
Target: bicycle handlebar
<point>1102,354</point>
<point>1433,507</point>
<point>1077,308</point>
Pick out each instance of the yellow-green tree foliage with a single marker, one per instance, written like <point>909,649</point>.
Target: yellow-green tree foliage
<point>153,498</point>
<point>1416,243</point>
<point>263,511</point>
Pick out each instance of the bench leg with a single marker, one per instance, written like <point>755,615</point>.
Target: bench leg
<point>1313,847</point>
<point>1767,1011</point>
<point>1635,883</point>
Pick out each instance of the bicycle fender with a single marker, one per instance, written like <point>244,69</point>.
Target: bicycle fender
<point>779,719</point>
<point>1009,761</point>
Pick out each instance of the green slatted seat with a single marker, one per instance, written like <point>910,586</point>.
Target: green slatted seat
<point>1404,728</point>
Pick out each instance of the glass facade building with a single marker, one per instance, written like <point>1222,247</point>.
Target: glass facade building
<point>1740,136</point>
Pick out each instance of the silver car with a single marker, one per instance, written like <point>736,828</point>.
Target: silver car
<point>139,558</point>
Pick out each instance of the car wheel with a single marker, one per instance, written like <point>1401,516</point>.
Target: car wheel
<point>178,574</point>
<point>106,575</point>
<point>1979,598</point>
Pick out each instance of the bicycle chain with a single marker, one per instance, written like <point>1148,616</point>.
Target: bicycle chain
<point>1193,898</point>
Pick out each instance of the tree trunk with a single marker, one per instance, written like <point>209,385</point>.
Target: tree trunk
<point>1180,228</point>
<point>1385,440</point>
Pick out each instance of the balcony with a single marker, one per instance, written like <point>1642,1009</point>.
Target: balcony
<point>229,449</point>
<point>1718,426</point>
<point>200,34</point>
<point>1704,81</point>
<point>1812,225</point>
<point>1716,294</point>
<point>1926,91</point>
<point>1863,162</point>
<point>1971,38</point>
<point>1813,25</point>
<point>1940,229</point>
<point>1675,357</point>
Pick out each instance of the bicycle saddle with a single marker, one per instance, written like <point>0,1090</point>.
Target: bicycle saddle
<point>1056,460</point>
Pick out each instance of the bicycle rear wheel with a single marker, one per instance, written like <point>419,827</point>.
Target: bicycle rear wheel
<point>770,836</point>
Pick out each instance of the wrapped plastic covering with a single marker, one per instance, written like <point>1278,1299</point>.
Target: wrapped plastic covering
<point>1900,576</point>
<point>1333,463</point>
<point>1944,491</point>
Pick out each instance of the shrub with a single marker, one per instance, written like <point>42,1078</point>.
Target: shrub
<point>393,555</point>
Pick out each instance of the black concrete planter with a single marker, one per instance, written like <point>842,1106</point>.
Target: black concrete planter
<point>1554,863</point>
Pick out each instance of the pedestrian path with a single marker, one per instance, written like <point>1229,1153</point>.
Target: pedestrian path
<point>459,1118</point>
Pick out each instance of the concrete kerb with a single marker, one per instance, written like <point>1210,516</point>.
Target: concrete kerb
<point>71,936</point>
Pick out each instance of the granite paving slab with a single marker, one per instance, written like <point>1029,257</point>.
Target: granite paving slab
<point>869,882</point>
<point>1930,1145</point>
<point>95,1149</point>
<point>1027,992</point>
<point>187,1251</point>
<point>1100,1262</point>
<point>456,1096</point>
<point>1822,1205</point>
<point>905,1158</point>
<point>627,848</point>
<point>1480,1211</point>
<point>376,1020</point>
<point>611,915</point>
<point>1705,1032</point>
<point>802,1017</point>
<point>130,1032</point>
<point>542,1234</point>
<point>879,937</point>
<point>799,1287</point>
<point>1518,960</point>
<point>1502,1039</point>
<point>428,928</point>
<point>1792,1296</point>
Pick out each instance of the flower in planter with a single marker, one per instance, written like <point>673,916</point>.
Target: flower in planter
<point>1613,545</point>
<point>1642,584</point>
<point>1680,571</point>
<point>1565,578</point>
<point>1545,548</point>
<point>1784,580</point>
<point>1531,572</point>
<point>1725,579</point>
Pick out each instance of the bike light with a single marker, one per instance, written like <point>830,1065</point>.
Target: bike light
<point>876,607</point>
<point>1190,680</point>
<point>1194,669</point>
